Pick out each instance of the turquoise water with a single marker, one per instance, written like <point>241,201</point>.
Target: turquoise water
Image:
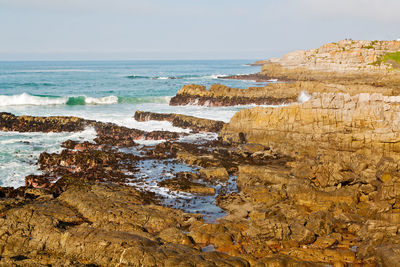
<point>109,91</point>
<point>130,81</point>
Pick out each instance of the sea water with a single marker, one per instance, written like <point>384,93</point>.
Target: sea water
<point>108,91</point>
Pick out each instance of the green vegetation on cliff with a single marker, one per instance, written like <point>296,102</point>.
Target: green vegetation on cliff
<point>393,58</point>
<point>390,58</point>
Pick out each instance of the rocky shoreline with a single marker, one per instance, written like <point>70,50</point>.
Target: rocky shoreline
<point>220,95</point>
<point>314,182</point>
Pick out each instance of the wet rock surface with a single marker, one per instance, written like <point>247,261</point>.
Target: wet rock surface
<point>220,95</point>
<point>94,204</point>
<point>182,121</point>
<point>10,122</point>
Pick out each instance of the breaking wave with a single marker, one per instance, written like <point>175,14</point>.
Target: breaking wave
<point>42,100</point>
<point>214,76</point>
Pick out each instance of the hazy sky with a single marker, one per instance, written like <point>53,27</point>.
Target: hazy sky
<point>153,29</point>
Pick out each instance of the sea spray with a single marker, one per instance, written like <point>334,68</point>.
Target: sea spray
<point>36,100</point>
<point>27,99</point>
<point>304,97</point>
<point>20,152</point>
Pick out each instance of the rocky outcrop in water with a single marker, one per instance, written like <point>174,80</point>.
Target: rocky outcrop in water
<point>220,95</point>
<point>182,121</point>
<point>10,122</point>
<point>107,133</point>
<point>111,134</point>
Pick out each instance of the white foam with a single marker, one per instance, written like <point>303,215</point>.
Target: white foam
<point>102,100</point>
<point>27,99</point>
<point>163,78</point>
<point>304,97</point>
<point>199,137</point>
<point>20,152</point>
<point>217,76</point>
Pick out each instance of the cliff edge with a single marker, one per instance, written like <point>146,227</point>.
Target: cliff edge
<point>344,56</point>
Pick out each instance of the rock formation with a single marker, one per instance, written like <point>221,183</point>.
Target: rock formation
<point>182,121</point>
<point>343,56</point>
<point>220,95</point>
<point>346,151</point>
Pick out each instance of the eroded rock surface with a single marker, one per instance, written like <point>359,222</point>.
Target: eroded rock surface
<point>182,121</point>
<point>345,55</point>
<point>337,200</point>
<point>220,95</point>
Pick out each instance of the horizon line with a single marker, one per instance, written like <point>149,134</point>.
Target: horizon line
<point>139,59</point>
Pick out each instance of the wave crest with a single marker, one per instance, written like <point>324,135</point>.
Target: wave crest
<point>27,99</point>
<point>179,77</point>
<point>43,100</point>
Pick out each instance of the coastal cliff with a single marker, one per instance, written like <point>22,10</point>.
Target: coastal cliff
<point>333,121</point>
<point>346,151</point>
<point>347,66</point>
<point>343,56</point>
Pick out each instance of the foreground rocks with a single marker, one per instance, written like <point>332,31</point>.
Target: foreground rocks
<point>296,184</point>
<point>341,185</point>
<point>80,212</point>
<point>124,230</point>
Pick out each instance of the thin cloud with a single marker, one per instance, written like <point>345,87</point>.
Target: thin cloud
<point>375,10</point>
<point>131,6</point>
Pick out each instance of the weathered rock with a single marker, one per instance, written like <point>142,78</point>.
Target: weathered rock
<point>94,224</point>
<point>185,185</point>
<point>95,165</point>
<point>183,121</point>
<point>343,56</point>
<point>10,122</point>
<point>220,95</point>
<point>388,256</point>
<point>351,126</point>
<point>214,173</point>
<point>326,255</point>
<point>111,134</point>
<point>284,261</point>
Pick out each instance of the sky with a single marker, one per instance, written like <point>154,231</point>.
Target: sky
<point>186,29</point>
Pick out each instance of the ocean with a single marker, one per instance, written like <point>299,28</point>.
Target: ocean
<point>108,91</point>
